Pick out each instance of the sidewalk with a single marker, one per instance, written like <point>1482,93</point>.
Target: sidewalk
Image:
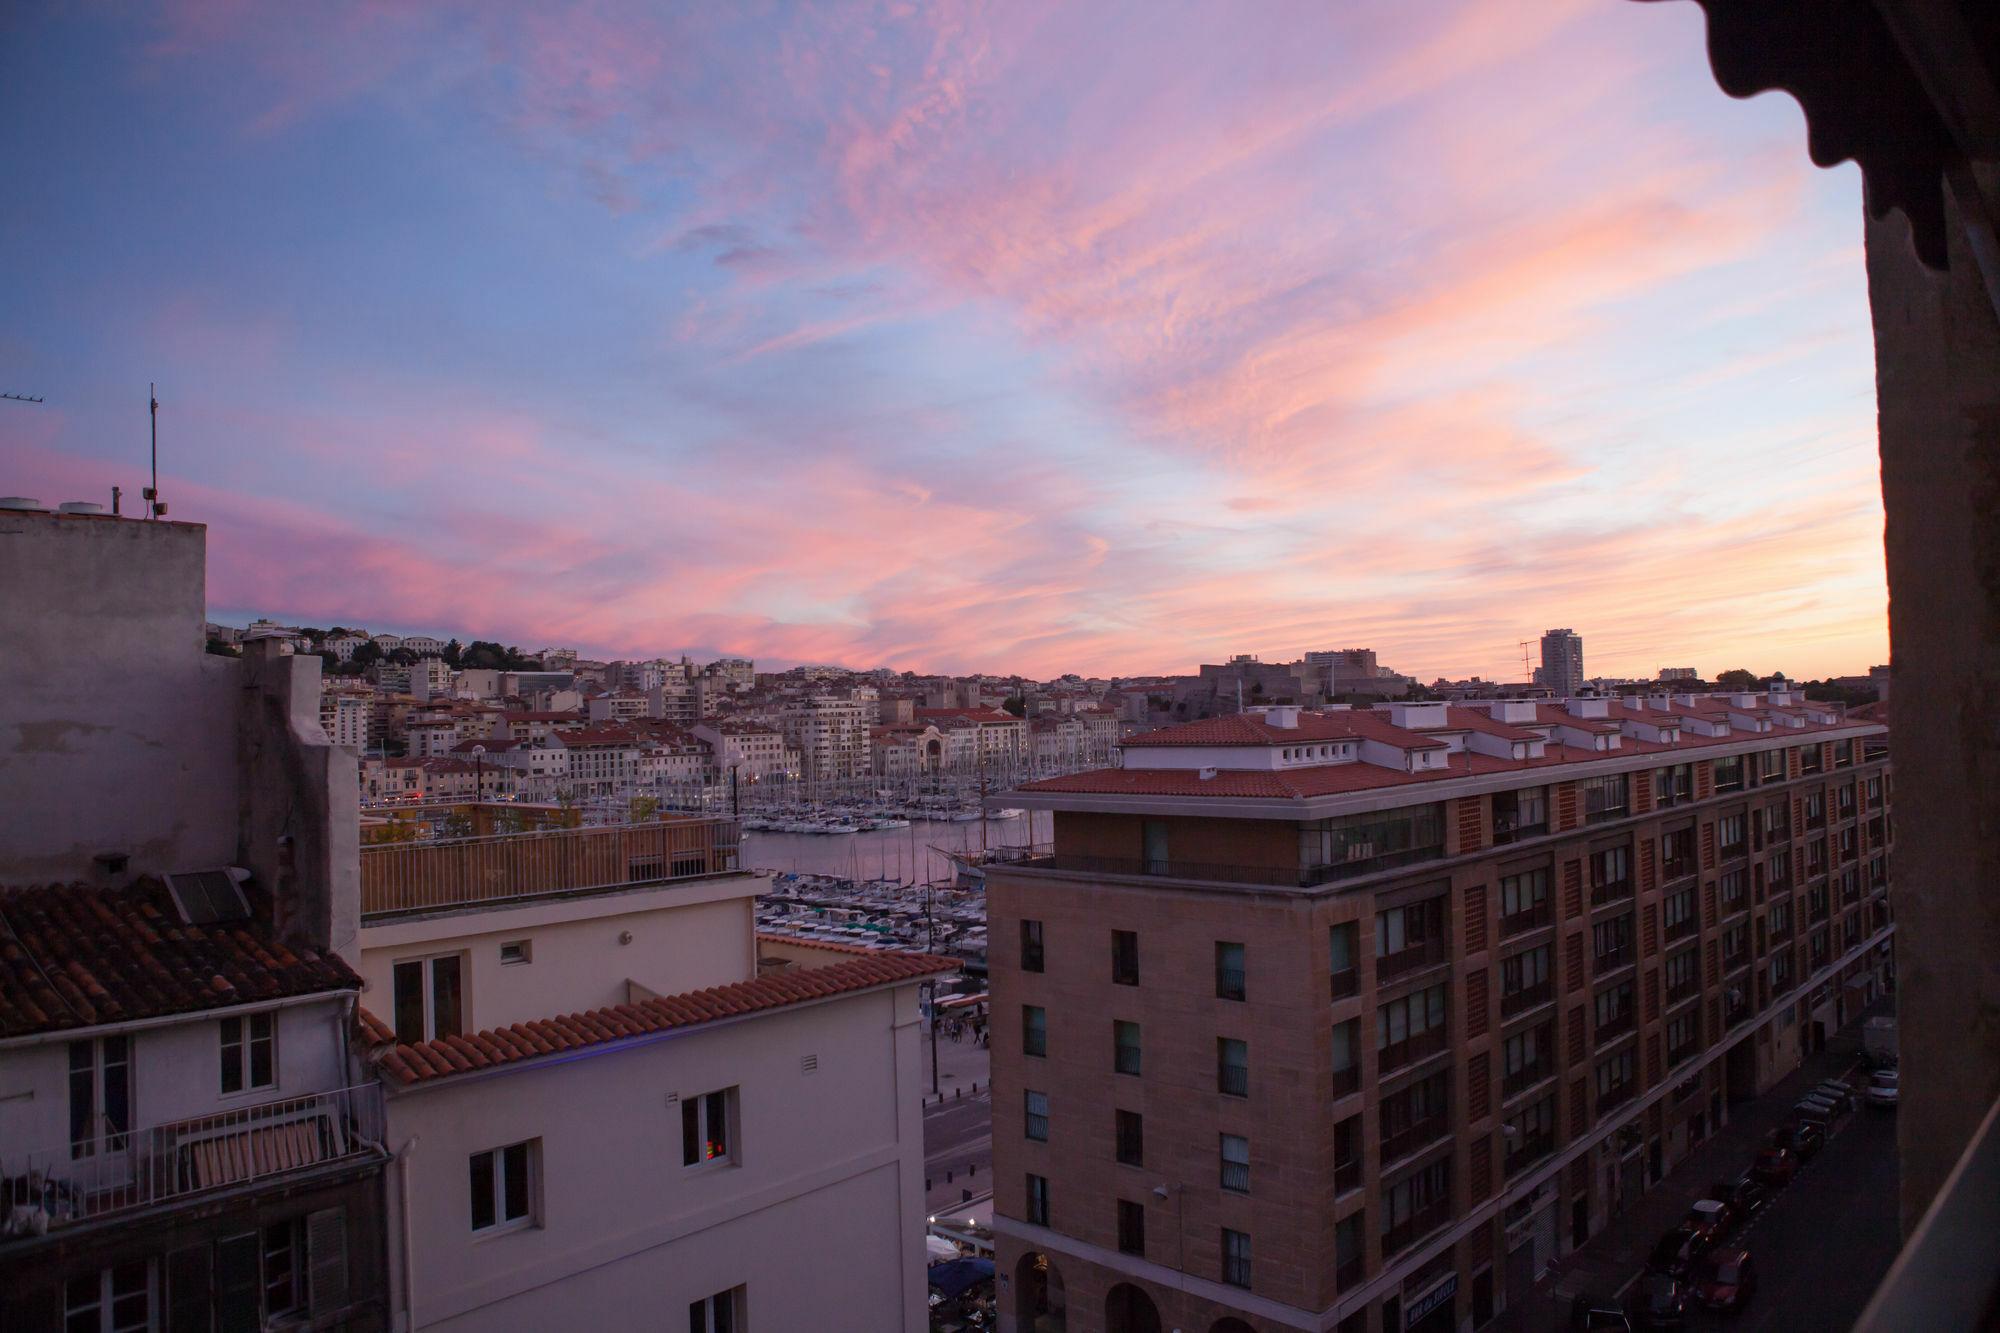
<point>962,1067</point>
<point>1609,1261</point>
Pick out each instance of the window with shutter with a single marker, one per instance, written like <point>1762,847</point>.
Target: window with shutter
<point>326,1256</point>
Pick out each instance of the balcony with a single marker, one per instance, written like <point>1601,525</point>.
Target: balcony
<point>1218,872</point>
<point>1431,953</point>
<point>1347,1175</point>
<point>1612,891</point>
<point>1415,1227</point>
<point>1527,997</point>
<point>1612,959</point>
<point>1410,1049</point>
<point>1530,1151</point>
<point>1346,1082</point>
<point>514,867</point>
<point>1526,1077</point>
<point>1611,1029</point>
<point>1346,982</point>
<point>1615,1098</point>
<point>1533,919</point>
<point>188,1159</point>
<point>1422,1134</point>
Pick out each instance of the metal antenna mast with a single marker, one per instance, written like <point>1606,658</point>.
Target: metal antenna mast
<point>1527,670</point>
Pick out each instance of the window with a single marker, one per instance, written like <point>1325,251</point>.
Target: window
<point>1771,766</point>
<point>1816,809</point>
<point>1524,900</point>
<point>1341,952</point>
<point>1779,918</point>
<point>283,1267</point>
<point>1525,980</point>
<point>1731,887</point>
<point>514,952</point>
<point>1810,759</point>
<point>1235,1164</point>
<point>1409,937</point>
<point>1531,1135</point>
<point>1614,1078</point>
<point>1038,1200</point>
<point>1729,773</point>
<point>1673,785</point>
<point>1614,1011</point>
<point>1031,946</point>
<point>249,1054</point>
<point>1349,1235</point>
<point>1679,913</point>
<point>1229,978</point>
<point>428,999</point>
<point>1683,1034</point>
<point>1125,1046</point>
<point>503,1186</point>
<point>1780,870</point>
<point>1036,1126</point>
<point>1235,1257</point>
<point>1604,798</point>
<point>123,1299</point>
<point>1415,1205</point>
<point>1683,975</point>
<point>1610,875</point>
<point>1232,1067</point>
<point>1034,1030</point>
<point>1410,1028</point>
<point>100,1096</point>
<point>1347,1154</point>
<point>720,1313</point>
<point>1130,1129</point>
<point>1131,1228</point>
<point>1346,1057</point>
<point>1778,821</point>
<point>1360,844</point>
<point>1526,1058</point>
<point>1730,838</point>
<point>1125,957</point>
<point>1781,971</point>
<point>1154,834</point>
<point>705,1127</point>
<point>1611,943</point>
<point>1415,1116</point>
<point>1520,814</point>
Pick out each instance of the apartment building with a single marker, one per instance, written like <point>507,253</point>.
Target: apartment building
<point>345,714</point>
<point>608,1095</point>
<point>999,738</point>
<point>751,751</point>
<point>830,732</point>
<point>1562,662</point>
<point>1356,1019</point>
<point>183,1142</point>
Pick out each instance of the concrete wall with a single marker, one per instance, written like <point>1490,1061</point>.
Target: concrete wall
<point>1937,386</point>
<point>820,1216</point>
<point>117,730</point>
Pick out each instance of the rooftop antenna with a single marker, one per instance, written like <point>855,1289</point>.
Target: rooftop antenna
<point>153,506</point>
<point>1527,669</point>
<point>20,397</point>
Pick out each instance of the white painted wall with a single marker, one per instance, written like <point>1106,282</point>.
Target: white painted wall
<point>821,1215</point>
<point>176,1075</point>
<point>685,937</point>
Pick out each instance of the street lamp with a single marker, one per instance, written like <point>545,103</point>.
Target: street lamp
<point>478,775</point>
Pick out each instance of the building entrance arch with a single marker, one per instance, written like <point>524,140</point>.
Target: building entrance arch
<point>1041,1306</point>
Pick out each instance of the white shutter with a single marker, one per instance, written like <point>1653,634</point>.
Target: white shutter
<point>326,1251</point>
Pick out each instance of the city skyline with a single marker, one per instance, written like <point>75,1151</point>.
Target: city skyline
<point>1044,342</point>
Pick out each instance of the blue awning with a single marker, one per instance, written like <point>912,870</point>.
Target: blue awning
<point>956,1276</point>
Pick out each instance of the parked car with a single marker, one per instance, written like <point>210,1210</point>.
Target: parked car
<point>1881,1090</point>
<point>1803,1140</point>
<point>1710,1220</point>
<point>1676,1252</point>
<point>1814,1112</point>
<point>1775,1167</point>
<point>1840,1094</point>
<point>1745,1195</point>
<point>1659,1301</point>
<point>1728,1280</point>
<point>1589,1313</point>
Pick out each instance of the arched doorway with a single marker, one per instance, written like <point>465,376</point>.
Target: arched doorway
<point>1041,1307</point>
<point>1230,1324</point>
<point>1130,1310</point>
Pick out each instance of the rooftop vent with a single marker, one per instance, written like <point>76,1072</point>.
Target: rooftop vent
<point>28,503</point>
<point>1207,773</point>
<point>1283,716</point>
<point>207,897</point>
<point>80,507</point>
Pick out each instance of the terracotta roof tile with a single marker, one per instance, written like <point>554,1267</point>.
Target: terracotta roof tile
<point>409,1064</point>
<point>78,955</point>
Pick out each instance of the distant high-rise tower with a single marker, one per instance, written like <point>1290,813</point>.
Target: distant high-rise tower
<point>1562,662</point>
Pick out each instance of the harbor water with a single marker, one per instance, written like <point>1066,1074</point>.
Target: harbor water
<point>903,855</point>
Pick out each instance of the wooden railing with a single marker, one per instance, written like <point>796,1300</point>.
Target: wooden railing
<point>430,876</point>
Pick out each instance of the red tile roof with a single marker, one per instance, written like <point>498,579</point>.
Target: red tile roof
<point>1249,729</point>
<point>77,955</point>
<point>429,1060</point>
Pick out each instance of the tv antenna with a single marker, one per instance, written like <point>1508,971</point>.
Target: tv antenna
<point>1527,669</point>
<point>20,397</point>
<point>154,509</point>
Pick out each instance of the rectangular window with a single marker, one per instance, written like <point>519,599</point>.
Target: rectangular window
<point>1816,809</point>
<point>1232,1067</point>
<point>1771,766</point>
<point>1682,975</point>
<point>1125,958</point>
<point>1683,1035</point>
<point>1229,978</point>
<point>1350,1262</point>
<point>1346,1057</point>
<point>1810,758</point>
<point>1415,1206</point>
<point>1351,845</point>
<point>1236,1257</point>
<point>503,1186</point>
<point>120,1299</point>
<point>1605,799</point>
<point>1611,943</point>
<point>1614,1011</point>
<point>1410,1028</point>
<point>1125,1047</point>
<point>705,1127</point>
<point>1679,914</point>
<point>1415,1116</point>
<point>1038,1200</point>
<point>1235,1164</point>
<point>1410,937</point>
<point>1037,1108</point>
<point>428,999</point>
<point>100,1096</point>
<point>283,1267</point>
<point>1732,887</point>
<point>1130,1129</point>
<point>1677,852</point>
<point>1673,785</point>
<point>1524,901</point>
<point>1525,980</point>
<point>1131,1228</point>
<point>1034,1030</point>
<point>1519,814</point>
<point>249,1052</point>
<point>1341,953</point>
<point>1610,875</point>
<point>1614,1079</point>
<point>1729,773</point>
<point>1527,1058</point>
<point>515,952</point>
<point>1533,1135</point>
<point>720,1313</point>
<point>1347,1154</point>
<point>1154,835</point>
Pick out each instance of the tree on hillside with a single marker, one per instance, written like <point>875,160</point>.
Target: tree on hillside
<point>1016,705</point>
<point>452,653</point>
<point>1736,679</point>
<point>365,655</point>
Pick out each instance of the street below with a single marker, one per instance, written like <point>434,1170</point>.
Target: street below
<point>958,1148</point>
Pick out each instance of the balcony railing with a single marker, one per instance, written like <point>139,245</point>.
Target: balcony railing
<point>1686,926</point>
<point>421,877</point>
<point>1220,872</point>
<point>1615,1027</point>
<point>142,1168</point>
<point>1526,1077</point>
<point>1431,953</point>
<point>1616,1097</point>
<point>1417,1225</point>
<point>1403,1142</point>
<point>1530,1151</point>
<point>1527,997</point>
<point>1612,959</point>
<point>1532,919</point>
<point>1347,1175</point>
<point>1347,1081</point>
<point>1398,1054</point>
<point>1346,982</point>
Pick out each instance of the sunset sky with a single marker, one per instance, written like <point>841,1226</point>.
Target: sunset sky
<point>1100,337</point>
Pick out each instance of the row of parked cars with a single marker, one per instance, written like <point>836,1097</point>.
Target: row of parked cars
<point>1703,1261</point>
